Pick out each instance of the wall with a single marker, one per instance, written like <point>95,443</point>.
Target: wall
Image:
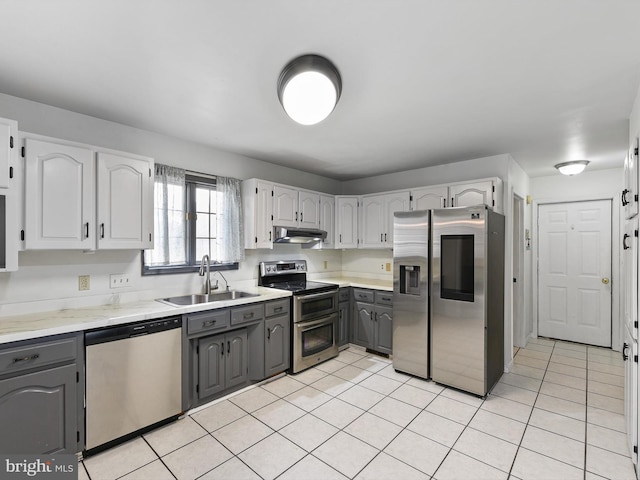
<point>49,280</point>
<point>634,119</point>
<point>43,119</point>
<point>495,166</point>
<point>588,185</point>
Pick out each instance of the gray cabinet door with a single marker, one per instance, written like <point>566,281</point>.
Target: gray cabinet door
<point>277,348</point>
<point>384,329</point>
<point>38,412</point>
<point>236,358</point>
<point>211,362</point>
<point>363,324</point>
<point>343,323</point>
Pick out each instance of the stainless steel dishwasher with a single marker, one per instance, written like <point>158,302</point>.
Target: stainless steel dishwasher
<point>133,379</point>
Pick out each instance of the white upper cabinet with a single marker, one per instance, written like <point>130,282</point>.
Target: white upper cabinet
<point>285,206</point>
<point>295,208</point>
<point>257,200</point>
<point>372,221</point>
<point>327,219</point>
<point>8,130</point>
<point>9,191</point>
<point>487,192</point>
<point>59,196</point>
<point>125,202</point>
<point>428,198</point>
<point>65,187</point>
<point>630,191</point>
<point>308,209</point>
<point>346,234</point>
<point>377,218</point>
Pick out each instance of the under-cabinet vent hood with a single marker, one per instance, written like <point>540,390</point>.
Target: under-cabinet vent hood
<point>307,237</point>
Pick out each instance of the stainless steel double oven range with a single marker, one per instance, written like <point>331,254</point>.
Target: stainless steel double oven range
<point>314,329</point>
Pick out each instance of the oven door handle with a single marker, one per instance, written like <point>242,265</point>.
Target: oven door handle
<point>313,296</point>
<point>320,321</point>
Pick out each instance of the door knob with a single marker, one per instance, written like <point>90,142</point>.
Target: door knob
<point>605,281</point>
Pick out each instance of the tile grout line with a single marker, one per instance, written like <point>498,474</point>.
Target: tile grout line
<point>513,462</point>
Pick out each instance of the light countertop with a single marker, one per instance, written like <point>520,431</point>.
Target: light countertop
<point>42,324</point>
<point>36,325</point>
<point>359,282</point>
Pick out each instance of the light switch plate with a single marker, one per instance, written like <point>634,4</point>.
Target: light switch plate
<point>119,280</point>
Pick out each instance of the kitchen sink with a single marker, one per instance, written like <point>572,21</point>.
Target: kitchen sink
<point>198,298</point>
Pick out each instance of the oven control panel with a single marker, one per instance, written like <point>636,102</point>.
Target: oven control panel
<point>283,267</point>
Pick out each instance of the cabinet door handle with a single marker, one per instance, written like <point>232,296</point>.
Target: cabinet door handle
<point>451,202</point>
<point>269,235</point>
<point>222,350</point>
<point>268,334</point>
<point>624,242</point>
<point>386,299</point>
<point>277,309</point>
<point>35,356</point>
<point>301,216</point>
<point>249,315</point>
<point>86,230</point>
<point>624,350</point>
<point>385,237</point>
<point>340,238</point>
<point>381,238</point>
<point>625,202</point>
<point>228,348</point>
<point>102,230</point>
<point>444,203</point>
<point>208,323</point>
<point>296,216</point>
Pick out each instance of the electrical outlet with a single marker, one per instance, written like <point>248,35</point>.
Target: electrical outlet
<point>119,280</point>
<point>84,282</point>
<point>388,267</point>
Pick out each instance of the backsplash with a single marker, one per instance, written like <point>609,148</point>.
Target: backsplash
<point>48,280</point>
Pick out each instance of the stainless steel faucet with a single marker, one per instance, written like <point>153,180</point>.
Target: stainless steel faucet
<point>206,288</point>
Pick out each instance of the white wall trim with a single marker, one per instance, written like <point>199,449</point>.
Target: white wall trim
<point>615,260</point>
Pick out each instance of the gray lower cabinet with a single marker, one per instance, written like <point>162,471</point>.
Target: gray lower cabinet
<point>344,317</point>
<point>277,344</point>
<point>225,350</point>
<point>372,321</point>
<point>41,392</point>
<point>222,362</point>
<point>277,340</point>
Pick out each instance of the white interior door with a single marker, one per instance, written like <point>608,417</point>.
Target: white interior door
<point>574,271</point>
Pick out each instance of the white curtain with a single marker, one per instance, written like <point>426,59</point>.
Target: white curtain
<point>230,244</point>
<point>169,218</point>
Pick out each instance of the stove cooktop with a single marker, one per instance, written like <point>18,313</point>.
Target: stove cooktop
<point>301,286</point>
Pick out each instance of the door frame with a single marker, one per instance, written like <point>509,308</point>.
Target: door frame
<point>518,272</point>
<point>616,340</point>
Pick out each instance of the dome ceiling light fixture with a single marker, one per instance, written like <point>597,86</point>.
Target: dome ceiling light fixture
<point>572,168</point>
<point>309,88</point>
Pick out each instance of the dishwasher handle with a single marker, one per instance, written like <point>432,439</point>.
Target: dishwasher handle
<point>130,330</point>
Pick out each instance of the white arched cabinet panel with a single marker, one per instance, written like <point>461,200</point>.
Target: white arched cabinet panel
<point>125,202</point>
<point>59,196</point>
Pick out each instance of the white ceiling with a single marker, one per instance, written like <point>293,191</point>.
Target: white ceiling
<point>424,82</point>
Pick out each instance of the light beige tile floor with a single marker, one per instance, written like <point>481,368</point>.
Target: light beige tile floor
<point>557,414</point>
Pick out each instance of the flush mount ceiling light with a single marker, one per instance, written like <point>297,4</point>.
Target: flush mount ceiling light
<point>309,88</point>
<point>572,168</point>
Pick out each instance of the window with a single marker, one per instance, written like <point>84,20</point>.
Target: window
<point>195,215</point>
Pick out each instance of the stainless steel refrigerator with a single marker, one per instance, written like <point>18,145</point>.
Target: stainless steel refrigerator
<point>467,298</point>
<point>411,245</point>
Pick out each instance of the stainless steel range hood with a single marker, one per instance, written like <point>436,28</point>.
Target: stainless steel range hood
<point>307,237</point>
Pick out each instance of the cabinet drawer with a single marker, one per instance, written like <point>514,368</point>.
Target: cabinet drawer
<point>343,295</point>
<point>247,314</point>
<point>25,357</point>
<point>363,295</point>
<point>277,307</point>
<point>384,298</point>
<point>212,320</point>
